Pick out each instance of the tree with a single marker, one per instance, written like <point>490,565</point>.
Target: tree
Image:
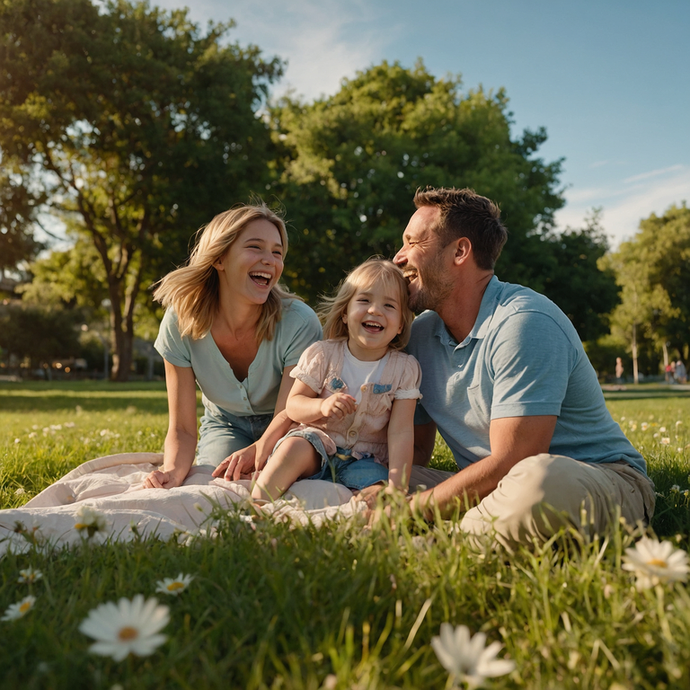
<point>577,273</point>
<point>653,271</point>
<point>42,335</point>
<point>351,163</point>
<point>133,128</point>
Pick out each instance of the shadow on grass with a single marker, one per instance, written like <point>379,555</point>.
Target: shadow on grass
<point>91,396</point>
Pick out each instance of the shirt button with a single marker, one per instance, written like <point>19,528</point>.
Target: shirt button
<point>363,387</point>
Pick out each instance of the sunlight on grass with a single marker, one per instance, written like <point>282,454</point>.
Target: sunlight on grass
<point>342,606</point>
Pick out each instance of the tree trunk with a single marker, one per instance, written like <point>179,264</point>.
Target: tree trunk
<point>636,375</point>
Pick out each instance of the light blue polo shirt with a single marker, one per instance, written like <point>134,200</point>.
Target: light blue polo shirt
<point>522,358</point>
<point>298,328</point>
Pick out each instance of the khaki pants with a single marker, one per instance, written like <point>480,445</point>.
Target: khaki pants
<point>545,492</point>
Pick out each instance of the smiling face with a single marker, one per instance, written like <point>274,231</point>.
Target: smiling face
<point>423,261</point>
<point>373,319</point>
<point>253,264</point>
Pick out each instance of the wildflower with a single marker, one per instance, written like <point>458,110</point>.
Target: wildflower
<point>675,487</point>
<point>665,440</point>
<point>466,658</point>
<point>90,520</point>
<point>20,491</point>
<point>32,434</point>
<point>69,425</point>
<point>644,426</point>
<point>678,423</point>
<point>126,627</point>
<point>29,576</point>
<point>16,611</point>
<point>174,585</point>
<point>655,562</point>
<point>662,429</point>
<point>17,440</point>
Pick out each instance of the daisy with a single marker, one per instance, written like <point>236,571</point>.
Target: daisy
<point>174,585</point>
<point>16,611</point>
<point>466,658</point>
<point>90,520</point>
<point>655,562</point>
<point>126,627</point>
<point>29,576</point>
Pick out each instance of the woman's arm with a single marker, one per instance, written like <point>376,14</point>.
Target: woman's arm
<point>180,441</point>
<point>401,443</point>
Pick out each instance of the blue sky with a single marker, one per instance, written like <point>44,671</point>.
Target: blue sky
<point>610,80</point>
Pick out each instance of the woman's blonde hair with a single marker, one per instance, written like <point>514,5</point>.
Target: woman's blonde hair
<point>192,290</point>
<point>332,309</point>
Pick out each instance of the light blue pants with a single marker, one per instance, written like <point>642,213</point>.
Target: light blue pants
<point>222,436</point>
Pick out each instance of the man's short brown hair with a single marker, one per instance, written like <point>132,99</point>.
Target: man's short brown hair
<point>464,213</point>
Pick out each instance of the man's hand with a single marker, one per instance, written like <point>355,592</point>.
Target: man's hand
<point>338,405</point>
<point>239,465</point>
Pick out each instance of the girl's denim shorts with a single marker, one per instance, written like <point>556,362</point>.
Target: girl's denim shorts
<point>342,467</point>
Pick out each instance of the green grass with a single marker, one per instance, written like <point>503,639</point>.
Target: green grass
<point>341,606</point>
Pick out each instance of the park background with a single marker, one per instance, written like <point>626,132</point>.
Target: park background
<point>124,128</point>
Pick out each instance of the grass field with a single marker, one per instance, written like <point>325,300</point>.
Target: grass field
<point>341,606</point>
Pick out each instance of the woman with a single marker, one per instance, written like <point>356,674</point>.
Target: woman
<point>233,330</point>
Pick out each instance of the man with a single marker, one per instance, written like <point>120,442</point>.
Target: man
<point>506,382</point>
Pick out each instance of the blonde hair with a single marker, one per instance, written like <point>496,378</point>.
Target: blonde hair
<point>332,309</point>
<point>192,290</point>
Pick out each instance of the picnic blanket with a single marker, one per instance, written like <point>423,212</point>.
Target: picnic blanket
<point>109,493</point>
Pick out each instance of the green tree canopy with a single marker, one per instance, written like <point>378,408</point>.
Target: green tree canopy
<point>351,164</point>
<point>132,126</point>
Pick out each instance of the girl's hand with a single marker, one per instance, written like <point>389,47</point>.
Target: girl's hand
<point>338,405</point>
<point>239,465</point>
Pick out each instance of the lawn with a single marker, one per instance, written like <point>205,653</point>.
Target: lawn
<point>342,606</point>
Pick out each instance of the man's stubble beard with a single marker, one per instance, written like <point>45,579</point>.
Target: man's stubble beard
<point>434,290</point>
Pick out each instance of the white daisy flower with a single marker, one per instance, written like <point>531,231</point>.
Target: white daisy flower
<point>90,520</point>
<point>20,609</point>
<point>644,426</point>
<point>466,658</point>
<point>29,576</point>
<point>126,627</point>
<point>174,585</point>
<point>665,440</point>
<point>655,562</point>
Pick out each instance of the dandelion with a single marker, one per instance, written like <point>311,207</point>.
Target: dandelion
<point>29,576</point>
<point>675,487</point>
<point>655,562</point>
<point>126,627</point>
<point>32,434</point>
<point>16,611</point>
<point>466,658</point>
<point>174,585</point>
<point>90,520</point>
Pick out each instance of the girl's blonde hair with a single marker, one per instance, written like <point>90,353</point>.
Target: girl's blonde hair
<point>332,309</point>
<point>192,290</point>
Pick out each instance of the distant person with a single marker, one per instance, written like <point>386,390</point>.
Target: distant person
<point>231,328</point>
<point>507,383</point>
<point>619,370</point>
<point>355,392</point>
<point>681,374</point>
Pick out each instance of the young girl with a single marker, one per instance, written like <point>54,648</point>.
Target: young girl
<point>355,393</point>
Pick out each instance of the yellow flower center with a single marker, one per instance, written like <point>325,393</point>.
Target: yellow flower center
<point>80,525</point>
<point>24,607</point>
<point>128,633</point>
<point>174,586</point>
<point>658,563</point>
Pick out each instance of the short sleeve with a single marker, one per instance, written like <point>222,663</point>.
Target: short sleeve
<point>531,362</point>
<point>311,368</point>
<point>410,380</point>
<point>170,344</point>
<point>304,330</point>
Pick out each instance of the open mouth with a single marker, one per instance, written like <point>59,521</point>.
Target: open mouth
<point>372,326</point>
<point>260,278</point>
<point>409,276</point>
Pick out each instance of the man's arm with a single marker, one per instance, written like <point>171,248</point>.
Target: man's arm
<point>424,439</point>
<point>512,439</point>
